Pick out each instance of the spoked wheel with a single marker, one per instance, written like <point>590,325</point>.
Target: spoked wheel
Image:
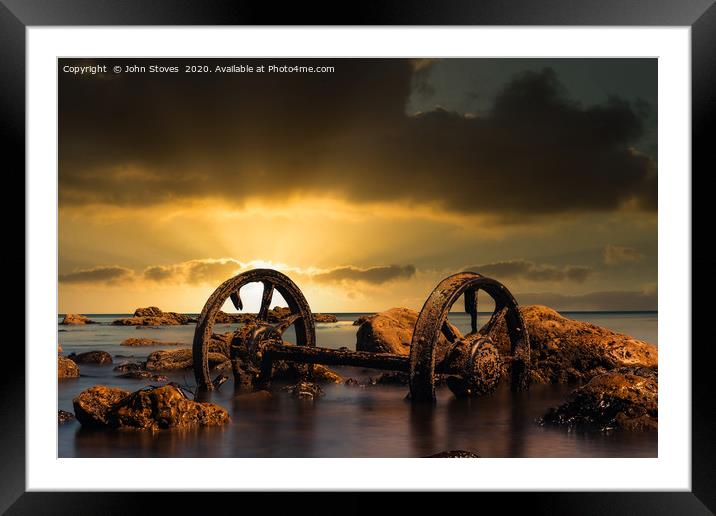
<point>301,317</point>
<point>432,322</point>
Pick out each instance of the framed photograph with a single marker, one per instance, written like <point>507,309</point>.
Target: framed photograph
<point>303,253</point>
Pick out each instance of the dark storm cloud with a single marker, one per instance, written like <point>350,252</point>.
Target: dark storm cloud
<point>375,275</point>
<point>608,300</point>
<point>99,274</point>
<point>149,138</point>
<point>531,271</point>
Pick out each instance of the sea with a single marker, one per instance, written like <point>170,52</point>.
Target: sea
<point>348,421</point>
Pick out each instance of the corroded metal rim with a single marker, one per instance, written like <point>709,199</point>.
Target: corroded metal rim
<point>432,322</point>
<point>272,280</point>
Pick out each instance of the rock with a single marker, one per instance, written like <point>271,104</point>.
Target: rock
<point>148,409</point>
<point>153,316</point>
<point>133,342</point>
<point>454,454</point>
<point>305,390</point>
<point>169,360</point>
<point>92,406</point>
<point>624,399</point>
<point>351,382</point>
<point>391,332</point>
<point>224,318</point>
<point>292,372</point>
<point>91,357</point>
<point>66,368</point>
<point>564,350</point>
<point>144,375</point>
<point>59,349</point>
<point>64,417</point>
<point>392,378</point>
<point>362,319</point>
<point>325,318</point>
<point>129,366</point>
<point>73,319</point>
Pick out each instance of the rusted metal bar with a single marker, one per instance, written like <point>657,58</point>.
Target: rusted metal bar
<point>274,352</point>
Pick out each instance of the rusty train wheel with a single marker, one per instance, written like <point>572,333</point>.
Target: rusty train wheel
<point>301,316</point>
<point>432,322</point>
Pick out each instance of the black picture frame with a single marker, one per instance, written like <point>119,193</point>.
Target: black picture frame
<point>700,15</point>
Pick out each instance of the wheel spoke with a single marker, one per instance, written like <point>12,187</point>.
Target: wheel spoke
<point>471,308</point>
<point>490,329</point>
<point>236,300</point>
<point>286,323</point>
<point>265,301</point>
<point>449,333</point>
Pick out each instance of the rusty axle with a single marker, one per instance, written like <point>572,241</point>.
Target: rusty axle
<point>274,352</point>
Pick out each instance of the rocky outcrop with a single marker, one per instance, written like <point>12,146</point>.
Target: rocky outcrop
<point>564,350</point>
<point>325,318</point>
<point>74,319</point>
<point>171,360</point>
<point>391,332</point>
<point>153,316</point>
<point>91,357</point>
<point>454,454</point>
<point>624,399</point>
<point>146,409</point>
<point>134,342</point>
<point>66,368</point>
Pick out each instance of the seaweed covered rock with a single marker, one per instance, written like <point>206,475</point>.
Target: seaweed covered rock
<point>564,350</point>
<point>91,357</point>
<point>66,368</point>
<point>76,319</point>
<point>147,409</point>
<point>169,360</point>
<point>391,332</point>
<point>153,316</point>
<point>624,399</point>
<point>142,342</point>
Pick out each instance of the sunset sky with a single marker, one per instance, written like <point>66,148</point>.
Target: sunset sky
<point>366,185</point>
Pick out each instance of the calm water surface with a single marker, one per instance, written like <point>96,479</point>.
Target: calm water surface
<point>347,421</point>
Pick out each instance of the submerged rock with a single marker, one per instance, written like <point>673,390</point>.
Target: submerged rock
<point>66,368</point>
<point>624,399</point>
<point>73,319</point>
<point>64,417</point>
<point>148,409</point>
<point>454,454</point>
<point>169,360</point>
<point>391,332</point>
<point>143,375</point>
<point>308,391</point>
<point>91,357</point>
<point>129,366</point>
<point>134,342</point>
<point>153,316</point>
<point>564,350</point>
